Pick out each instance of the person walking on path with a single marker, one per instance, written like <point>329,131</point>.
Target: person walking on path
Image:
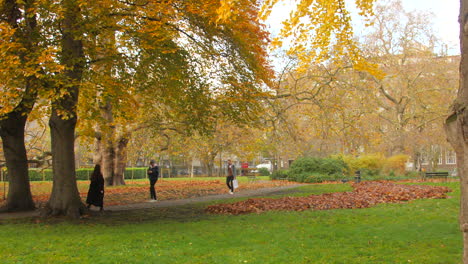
<point>231,175</point>
<point>153,175</point>
<point>96,189</point>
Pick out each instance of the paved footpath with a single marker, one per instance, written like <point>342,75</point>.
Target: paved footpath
<point>169,203</point>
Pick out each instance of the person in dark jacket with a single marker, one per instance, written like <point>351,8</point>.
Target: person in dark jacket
<point>231,175</point>
<point>153,175</point>
<point>96,189</point>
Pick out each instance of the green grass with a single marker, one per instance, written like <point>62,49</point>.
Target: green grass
<point>423,231</point>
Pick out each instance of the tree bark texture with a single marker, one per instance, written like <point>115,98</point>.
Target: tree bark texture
<point>19,192</point>
<point>120,161</point>
<point>108,161</point>
<point>113,148</point>
<point>65,198</point>
<point>113,158</point>
<point>457,126</point>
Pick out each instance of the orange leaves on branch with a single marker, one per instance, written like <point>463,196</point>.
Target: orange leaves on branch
<point>365,195</point>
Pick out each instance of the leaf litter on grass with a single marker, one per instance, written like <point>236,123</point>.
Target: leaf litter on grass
<point>138,191</point>
<point>364,195</point>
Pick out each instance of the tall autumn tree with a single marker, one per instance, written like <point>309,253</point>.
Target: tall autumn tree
<point>65,198</point>
<point>181,63</point>
<point>142,36</point>
<point>418,82</point>
<point>457,126</point>
<point>20,74</point>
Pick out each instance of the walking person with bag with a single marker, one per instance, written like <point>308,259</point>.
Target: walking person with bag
<point>153,175</point>
<point>231,177</point>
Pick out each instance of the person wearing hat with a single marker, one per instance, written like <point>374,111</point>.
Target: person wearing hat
<point>153,175</point>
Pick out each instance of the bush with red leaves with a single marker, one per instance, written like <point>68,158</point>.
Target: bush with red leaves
<point>365,194</point>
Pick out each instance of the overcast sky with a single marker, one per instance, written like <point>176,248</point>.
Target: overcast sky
<point>445,18</point>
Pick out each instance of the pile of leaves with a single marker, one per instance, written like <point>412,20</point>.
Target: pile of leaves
<point>365,194</point>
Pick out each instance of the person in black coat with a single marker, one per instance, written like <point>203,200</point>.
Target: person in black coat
<point>153,175</point>
<point>96,189</point>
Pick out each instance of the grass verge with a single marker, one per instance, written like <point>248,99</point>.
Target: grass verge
<point>422,231</point>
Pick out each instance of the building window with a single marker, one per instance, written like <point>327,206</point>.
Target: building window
<point>439,160</point>
<point>450,157</point>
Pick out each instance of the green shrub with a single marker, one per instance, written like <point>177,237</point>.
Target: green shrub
<point>46,174</point>
<point>40,174</point>
<point>325,166</point>
<point>84,173</point>
<point>292,177</point>
<point>315,170</point>
<point>279,174</point>
<point>413,174</point>
<point>316,177</point>
<point>264,172</point>
<point>313,178</point>
<point>301,177</point>
<point>370,173</point>
<point>135,173</point>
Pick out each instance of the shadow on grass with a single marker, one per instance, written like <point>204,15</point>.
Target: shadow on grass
<point>183,213</point>
<point>196,212</point>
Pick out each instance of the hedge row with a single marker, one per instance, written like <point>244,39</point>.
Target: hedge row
<point>308,177</point>
<point>371,167</point>
<point>84,174</point>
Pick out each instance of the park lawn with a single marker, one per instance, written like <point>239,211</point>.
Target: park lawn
<point>422,231</point>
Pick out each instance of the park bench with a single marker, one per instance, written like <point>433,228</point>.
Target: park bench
<point>436,174</point>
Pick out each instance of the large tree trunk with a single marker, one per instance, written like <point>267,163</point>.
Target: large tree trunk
<point>120,161</point>
<point>19,193</point>
<point>65,198</point>
<point>97,157</point>
<point>108,159</point>
<point>113,158</point>
<point>210,168</point>
<point>457,126</point>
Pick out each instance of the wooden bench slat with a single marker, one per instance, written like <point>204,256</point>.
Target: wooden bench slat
<point>437,174</point>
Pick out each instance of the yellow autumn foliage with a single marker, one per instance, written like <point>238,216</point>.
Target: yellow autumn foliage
<point>396,164</point>
<point>321,30</point>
